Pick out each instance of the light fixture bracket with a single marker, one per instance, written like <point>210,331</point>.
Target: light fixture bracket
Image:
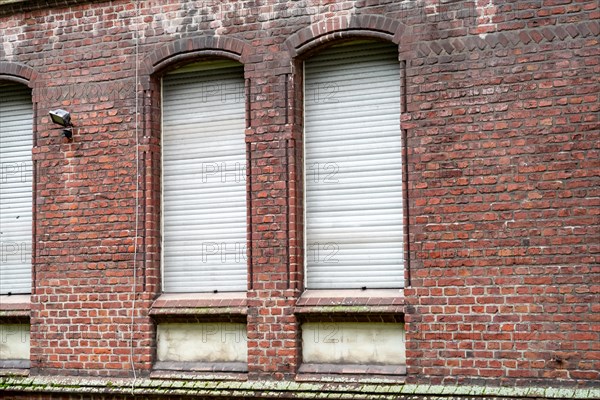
<point>68,133</point>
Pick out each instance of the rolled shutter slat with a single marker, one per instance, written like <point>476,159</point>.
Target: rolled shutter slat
<point>204,179</point>
<point>353,168</point>
<point>16,141</point>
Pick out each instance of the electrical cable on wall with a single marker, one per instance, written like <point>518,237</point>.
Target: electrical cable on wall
<point>137,188</point>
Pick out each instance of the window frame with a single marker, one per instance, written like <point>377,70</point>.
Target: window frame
<point>405,272</point>
<point>160,82</point>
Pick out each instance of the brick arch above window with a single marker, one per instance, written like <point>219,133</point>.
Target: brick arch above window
<point>189,49</point>
<point>18,73</point>
<point>364,26</point>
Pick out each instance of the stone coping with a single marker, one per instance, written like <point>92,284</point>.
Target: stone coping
<point>273,389</point>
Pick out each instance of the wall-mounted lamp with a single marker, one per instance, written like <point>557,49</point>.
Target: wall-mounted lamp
<point>63,118</point>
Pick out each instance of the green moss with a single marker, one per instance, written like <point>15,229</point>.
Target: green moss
<point>338,390</point>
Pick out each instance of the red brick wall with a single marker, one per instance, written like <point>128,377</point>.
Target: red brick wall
<point>501,121</point>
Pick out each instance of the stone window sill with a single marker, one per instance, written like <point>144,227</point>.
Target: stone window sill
<point>354,301</point>
<point>199,304</point>
<point>218,371</point>
<point>17,307</point>
<point>351,372</point>
<point>14,367</point>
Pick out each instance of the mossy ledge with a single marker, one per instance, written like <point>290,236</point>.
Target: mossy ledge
<point>271,389</point>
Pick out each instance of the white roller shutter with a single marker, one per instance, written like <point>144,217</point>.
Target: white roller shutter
<point>353,168</point>
<point>16,141</point>
<point>204,179</point>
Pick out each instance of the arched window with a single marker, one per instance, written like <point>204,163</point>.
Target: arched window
<point>353,168</point>
<point>16,171</point>
<point>204,178</point>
